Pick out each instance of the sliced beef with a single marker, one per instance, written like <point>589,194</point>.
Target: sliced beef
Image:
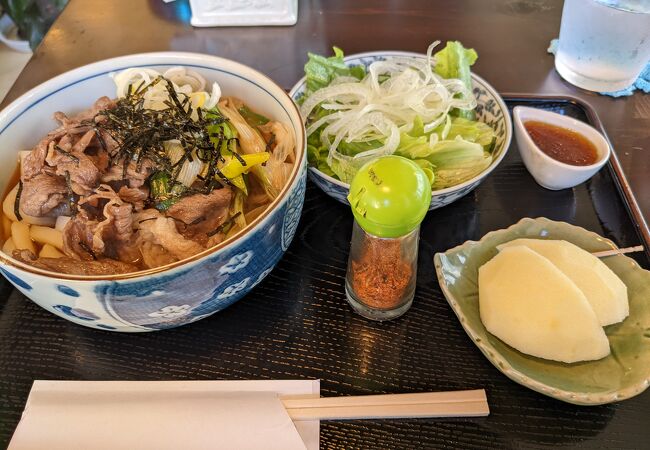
<point>69,160</point>
<point>144,216</point>
<point>101,104</point>
<point>66,134</point>
<point>154,255</point>
<point>135,196</point>
<point>107,143</point>
<point>115,213</point>
<point>85,117</point>
<point>122,221</point>
<point>43,194</point>
<point>89,235</point>
<point>103,266</point>
<point>78,238</point>
<point>162,231</point>
<point>98,156</point>
<point>136,176</point>
<point>199,215</point>
<point>62,151</point>
<point>34,163</point>
<point>192,208</point>
<point>214,240</point>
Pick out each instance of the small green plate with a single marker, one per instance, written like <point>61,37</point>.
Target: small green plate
<point>621,375</point>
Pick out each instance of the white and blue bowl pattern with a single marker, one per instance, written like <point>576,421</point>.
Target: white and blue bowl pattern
<point>183,292</point>
<point>490,109</point>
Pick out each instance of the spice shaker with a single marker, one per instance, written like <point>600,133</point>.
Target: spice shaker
<point>389,198</point>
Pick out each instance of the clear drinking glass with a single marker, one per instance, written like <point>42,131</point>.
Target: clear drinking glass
<point>604,44</point>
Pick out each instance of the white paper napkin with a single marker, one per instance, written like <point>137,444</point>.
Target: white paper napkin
<point>162,415</point>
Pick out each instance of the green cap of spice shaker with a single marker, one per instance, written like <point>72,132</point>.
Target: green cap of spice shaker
<point>390,196</point>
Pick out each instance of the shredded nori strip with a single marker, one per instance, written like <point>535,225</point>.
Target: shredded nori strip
<point>100,138</point>
<point>197,220</point>
<point>17,201</point>
<point>224,178</point>
<point>228,223</point>
<point>141,133</point>
<point>66,153</point>
<point>89,250</point>
<point>71,199</point>
<point>270,143</point>
<point>239,158</point>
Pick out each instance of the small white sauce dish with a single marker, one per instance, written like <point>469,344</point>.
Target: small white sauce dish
<point>548,172</point>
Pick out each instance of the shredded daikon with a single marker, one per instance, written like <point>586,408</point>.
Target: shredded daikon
<point>384,104</point>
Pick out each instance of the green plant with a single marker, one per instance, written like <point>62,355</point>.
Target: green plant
<point>33,17</point>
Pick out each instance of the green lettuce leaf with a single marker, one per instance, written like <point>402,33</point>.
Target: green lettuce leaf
<point>454,61</point>
<point>427,168</point>
<point>346,169</point>
<point>320,70</point>
<point>456,153</point>
<point>447,153</point>
<point>457,160</point>
<point>354,148</point>
<point>447,163</point>
<point>418,127</point>
<point>413,147</point>
<point>451,177</point>
<point>471,130</point>
<point>317,157</point>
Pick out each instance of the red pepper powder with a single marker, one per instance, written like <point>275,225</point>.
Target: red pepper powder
<point>380,276</point>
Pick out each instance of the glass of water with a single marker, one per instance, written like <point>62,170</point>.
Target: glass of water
<point>604,44</point>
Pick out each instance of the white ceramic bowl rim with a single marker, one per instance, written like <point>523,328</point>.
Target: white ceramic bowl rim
<point>569,123</point>
<point>486,85</point>
<point>102,68</point>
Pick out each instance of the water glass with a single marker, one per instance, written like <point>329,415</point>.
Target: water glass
<point>604,44</point>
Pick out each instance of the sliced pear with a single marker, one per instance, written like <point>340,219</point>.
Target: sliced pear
<point>604,290</point>
<point>528,303</point>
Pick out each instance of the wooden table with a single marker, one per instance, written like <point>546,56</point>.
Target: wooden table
<point>511,38</point>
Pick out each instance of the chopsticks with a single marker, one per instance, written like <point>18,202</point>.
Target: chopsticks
<point>428,404</point>
<point>618,251</point>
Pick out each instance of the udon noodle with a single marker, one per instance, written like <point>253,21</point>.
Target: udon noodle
<point>166,170</point>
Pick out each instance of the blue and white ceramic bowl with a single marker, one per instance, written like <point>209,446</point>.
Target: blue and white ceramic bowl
<point>178,293</point>
<point>491,109</point>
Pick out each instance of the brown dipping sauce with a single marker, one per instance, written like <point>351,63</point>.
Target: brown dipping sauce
<point>562,144</point>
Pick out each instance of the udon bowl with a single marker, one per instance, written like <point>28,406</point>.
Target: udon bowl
<point>182,292</point>
<point>490,109</point>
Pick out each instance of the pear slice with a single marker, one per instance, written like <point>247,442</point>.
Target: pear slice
<point>528,303</point>
<point>605,291</point>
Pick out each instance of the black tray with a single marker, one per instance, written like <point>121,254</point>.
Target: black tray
<point>297,324</point>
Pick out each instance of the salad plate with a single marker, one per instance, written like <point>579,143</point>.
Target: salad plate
<point>490,109</point>
<point>624,373</point>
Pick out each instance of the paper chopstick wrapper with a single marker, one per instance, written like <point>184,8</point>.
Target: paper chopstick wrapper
<point>118,415</point>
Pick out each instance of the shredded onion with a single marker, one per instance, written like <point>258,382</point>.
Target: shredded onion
<point>186,82</point>
<point>383,104</point>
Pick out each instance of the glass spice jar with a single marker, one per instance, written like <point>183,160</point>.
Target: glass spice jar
<point>389,198</point>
